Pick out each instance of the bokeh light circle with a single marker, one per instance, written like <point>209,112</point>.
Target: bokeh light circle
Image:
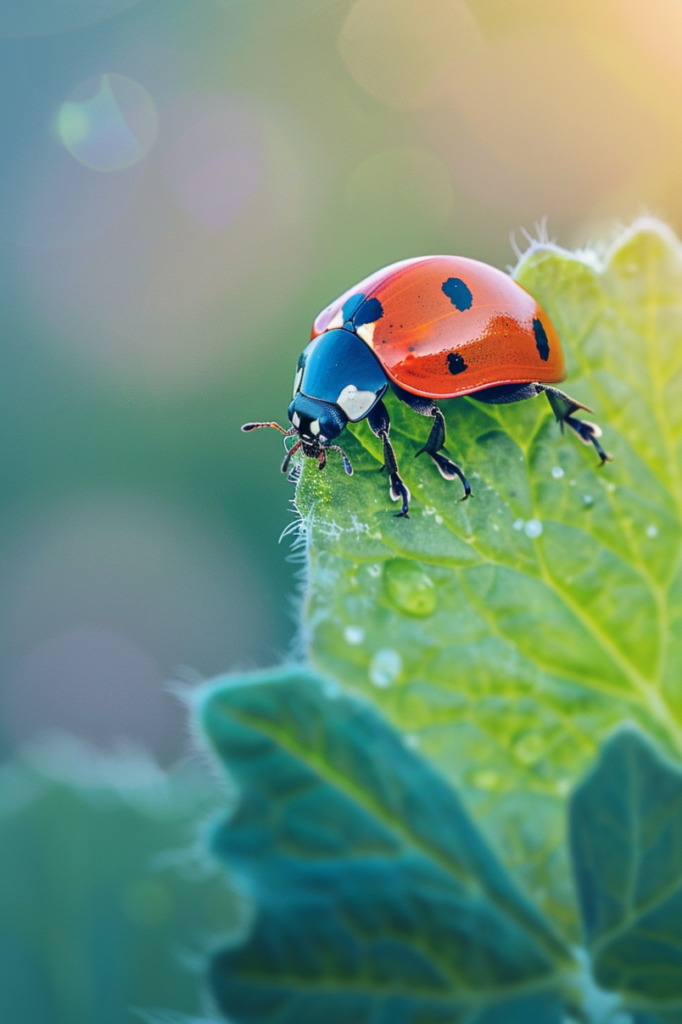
<point>557,147</point>
<point>108,123</point>
<point>216,166</point>
<point>400,50</point>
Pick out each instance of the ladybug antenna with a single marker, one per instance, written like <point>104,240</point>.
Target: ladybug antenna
<point>256,426</point>
<point>289,455</point>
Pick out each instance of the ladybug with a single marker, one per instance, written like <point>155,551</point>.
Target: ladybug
<point>430,328</point>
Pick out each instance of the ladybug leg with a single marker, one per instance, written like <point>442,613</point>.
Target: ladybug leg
<point>380,425</point>
<point>435,444</point>
<point>563,407</point>
<point>289,455</point>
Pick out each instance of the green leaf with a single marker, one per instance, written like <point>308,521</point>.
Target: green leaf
<point>376,898</point>
<point>509,634</point>
<point>660,1018</point>
<point>101,900</point>
<point>626,840</point>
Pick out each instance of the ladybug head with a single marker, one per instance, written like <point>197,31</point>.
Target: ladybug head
<point>315,421</point>
<point>317,424</point>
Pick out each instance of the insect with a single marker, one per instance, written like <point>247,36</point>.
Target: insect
<point>430,328</point>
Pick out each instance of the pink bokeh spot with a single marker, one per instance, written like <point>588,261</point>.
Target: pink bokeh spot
<point>218,187</point>
<point>216,166</point>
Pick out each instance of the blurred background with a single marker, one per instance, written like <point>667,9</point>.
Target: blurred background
<point>183,185</point>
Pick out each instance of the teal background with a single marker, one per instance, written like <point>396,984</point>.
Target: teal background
<point>287,148</point>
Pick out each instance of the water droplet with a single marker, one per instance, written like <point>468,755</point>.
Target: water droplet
<point>588,500</point>
<point>495,527</point>
<point>652,531</point>
<point>529,748</point>
<point>354,635</point>
<point>519,524</point>
<point>557,472</point>
<point>409,588</point>
<point>486,780</point>
<point>439,520</point>
<point>533,528</point>
<point>385,668</point>
<point>374,570</point>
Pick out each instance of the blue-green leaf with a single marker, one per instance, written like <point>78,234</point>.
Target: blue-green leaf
<point>102,897</point>
<point>376,898</point>
<point>626,840</point>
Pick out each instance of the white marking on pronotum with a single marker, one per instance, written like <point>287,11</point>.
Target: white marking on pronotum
<point>315,427</point>
<point>366,332</point>
<point>297,380</point>
<point>296,420</point>
<point>356,404</point>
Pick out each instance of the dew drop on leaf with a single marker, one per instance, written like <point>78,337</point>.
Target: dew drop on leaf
<point>354,635</point>
<point>533,528</point>
<point>385,667</point>
<point>529,748</point>
<point>557,472</point>
<point>409,588</point>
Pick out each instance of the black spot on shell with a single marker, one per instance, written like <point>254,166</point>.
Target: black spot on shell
<point>458,292</point>
<point>541,339</point>
<point>456,363</point>
<point>368,313</point>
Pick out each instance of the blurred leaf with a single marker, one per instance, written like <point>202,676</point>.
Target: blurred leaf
<point>509,634</point>
<point>626,839</point>
<point>377,900</point>
<point>671,1017</point>
<point>103,903</point>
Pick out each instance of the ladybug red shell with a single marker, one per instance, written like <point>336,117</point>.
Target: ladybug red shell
<point>451,326</point>
<point>430,328</point>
